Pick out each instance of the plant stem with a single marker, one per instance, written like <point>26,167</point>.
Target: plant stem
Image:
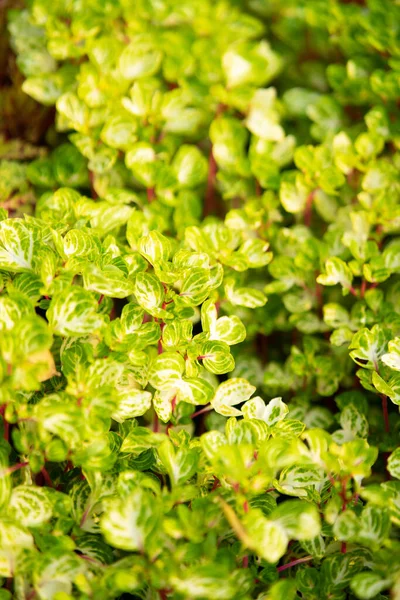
<point>343,494</point>
<point>92,190</point>
<point>293,563</point>
<point>156,423</point>
<point>216,483</point>
<point>47,478</point>
<point>308,209</point>
<point>200,412</point>
<point>353,291</point>
<point>151,195</point>
<point>363,288</point>
<point>16,467</point>
<point>6,424</point>
<point>385,412</point>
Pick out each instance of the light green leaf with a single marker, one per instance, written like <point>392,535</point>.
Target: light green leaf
<point>272,413</point>
<point>300,519</point>
<point>336,272</point>
<point>30,506</point>
<point>140,58</point>
<point>244,296</point>
<point>149,292</point>
<point>394,464</point>
<point>267,538</point>
<point>190,166</point>
<point>367,586</point>
<point>17,243</point>
<point>73,312</point>
<point>128,523</point>
<point>195,286</point>
<point>131,403</point>
<point>392,358</point>
<point>180,463</point>
<point>229,394</point>
<point>216,357</point>
<point>155,247</point>
<point>109,281</point>
<point>229,330</point>
<point>166,370</point>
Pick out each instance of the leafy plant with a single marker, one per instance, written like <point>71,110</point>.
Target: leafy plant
<point>200,331</point>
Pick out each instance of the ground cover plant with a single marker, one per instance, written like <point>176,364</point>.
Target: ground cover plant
<point>200,300</point>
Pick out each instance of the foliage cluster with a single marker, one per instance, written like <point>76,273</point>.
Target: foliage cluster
<point>200,303</point>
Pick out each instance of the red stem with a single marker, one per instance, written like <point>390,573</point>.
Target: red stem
<point>385,412</point>
<point>200,412</point>
<point>308,209</point>
<point>353,291</point>
<point>156,423</point>
<point>343,547</point>
<point>47,478</point>
<point>293,563</point>
<point>173,403</point>
<point>92,190</point>
<point>216,483</point>
<point>319,298</point>
<point>85,515</point>
<point>16,467</point>
<point>151,195</point>
<point>6,424</point>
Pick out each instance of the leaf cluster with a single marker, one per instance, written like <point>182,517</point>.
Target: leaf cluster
<point>199,312</point>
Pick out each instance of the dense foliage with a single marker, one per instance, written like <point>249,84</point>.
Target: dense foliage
<point>200,302</point>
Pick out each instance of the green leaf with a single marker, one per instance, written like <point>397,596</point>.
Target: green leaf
<point>149,292</point>
<point>190,166</point>
<point>300,520</point>
<point>129,523</point>
<point>336,272</point>
<point>30,506</point>
<point>229,394</point>
<point>250,63</point>
<point>73,312</point>
<point>216,357</point>
<point>131,403</point>
<point>368,346</point>
<point>180,464</point>
<point>109,281</point>
<point>267,538</point>
<point>17,243</point>
<point>243,296</point>
<point>272,413</point>
<point>155,247</point>
<point>229,330</point>
<point>195,286</point>
<point>394,464</point>
<point>140,58</point>
<point>368,585</point>
<point>166,370</point>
